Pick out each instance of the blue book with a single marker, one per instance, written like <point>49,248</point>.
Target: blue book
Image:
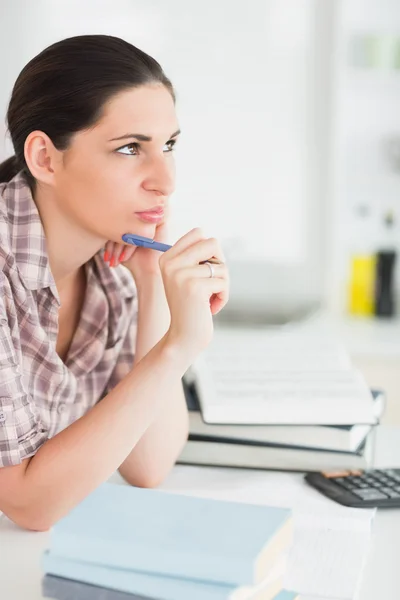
<point>151,585</point>
<point>175,535</point>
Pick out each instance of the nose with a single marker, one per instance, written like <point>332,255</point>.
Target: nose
<point>160,176</point>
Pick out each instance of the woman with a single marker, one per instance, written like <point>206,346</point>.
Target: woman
<point>84,317</point>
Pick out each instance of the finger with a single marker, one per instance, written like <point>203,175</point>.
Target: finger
<point>127,253</point>
<point>217,303</point>
<point>161,233</point>
<point>215,288</point>
<point>203,286</point>
<point>109,250</point>
<point>190,238</point>
<point>116,257</point>
<point>206,271</point>
<point>201,251</point>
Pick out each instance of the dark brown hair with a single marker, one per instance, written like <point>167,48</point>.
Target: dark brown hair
<point>64,88</point>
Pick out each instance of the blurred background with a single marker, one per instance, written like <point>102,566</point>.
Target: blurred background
<point>290,153</point>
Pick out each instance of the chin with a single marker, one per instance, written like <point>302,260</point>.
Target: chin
<point>141,228</point>
<point>136,228</point>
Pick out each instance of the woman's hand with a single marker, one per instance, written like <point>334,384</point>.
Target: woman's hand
<point>141,262</point>
<point>192,295</point>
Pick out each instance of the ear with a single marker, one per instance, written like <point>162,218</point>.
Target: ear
<point>41,156</point>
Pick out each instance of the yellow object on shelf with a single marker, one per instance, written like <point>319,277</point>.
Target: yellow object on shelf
<point>362,285</point>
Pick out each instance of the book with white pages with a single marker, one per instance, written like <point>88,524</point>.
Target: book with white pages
<point>331,541</point>
<point>340,438</point>
<point>254,455</point>
<point>253,377</point>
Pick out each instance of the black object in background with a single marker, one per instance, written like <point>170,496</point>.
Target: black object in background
<point>360,489</point>
<point>189,389</point>
<point>385,288</point>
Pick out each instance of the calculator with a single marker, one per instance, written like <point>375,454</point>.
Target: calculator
<point>371,488</point>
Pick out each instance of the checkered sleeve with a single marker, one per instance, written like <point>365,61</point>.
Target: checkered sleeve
<point>20,432</point>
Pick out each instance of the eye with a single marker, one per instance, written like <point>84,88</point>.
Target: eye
<point>130,149</point>
<point>170,146</point>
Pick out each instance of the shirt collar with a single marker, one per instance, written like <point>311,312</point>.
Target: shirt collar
<point>28,241</point>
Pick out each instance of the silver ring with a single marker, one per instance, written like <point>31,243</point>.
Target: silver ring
<point>211,267</point>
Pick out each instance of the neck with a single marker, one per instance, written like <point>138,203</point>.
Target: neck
<point>69,246</point>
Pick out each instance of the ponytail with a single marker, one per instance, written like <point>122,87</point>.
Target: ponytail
<point>8,169</point>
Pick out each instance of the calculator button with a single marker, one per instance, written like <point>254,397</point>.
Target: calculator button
<point>391,483</point>
<point>371,481</point>
<point>378,485</point>
<point>354,481</point>
<point>390,492</point>
<point>382,482</point>
<point>392,472</point>
<point>346,485</point>
<point>370,494</point>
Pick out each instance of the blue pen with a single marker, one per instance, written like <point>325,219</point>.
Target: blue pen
<point>145,242</point>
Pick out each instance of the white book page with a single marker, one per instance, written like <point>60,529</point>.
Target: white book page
<point>330,541</point>
<point>327,558</point>
<point>262,376</point>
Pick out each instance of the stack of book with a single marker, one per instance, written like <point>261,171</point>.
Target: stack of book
<point>124,543</point>
<point>289,401</point>
<point>280,447</point>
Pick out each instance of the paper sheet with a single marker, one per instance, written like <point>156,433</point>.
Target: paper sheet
<point>263,375</point>
<point>327,560</point>
<point>330,542</point>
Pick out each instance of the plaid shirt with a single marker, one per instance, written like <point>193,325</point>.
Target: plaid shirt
<point>39,394</point>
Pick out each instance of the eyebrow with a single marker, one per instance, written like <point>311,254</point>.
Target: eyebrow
<point>140,137</point>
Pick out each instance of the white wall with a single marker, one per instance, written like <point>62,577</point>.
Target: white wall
<point>251,80</point>
<point>366,117</point>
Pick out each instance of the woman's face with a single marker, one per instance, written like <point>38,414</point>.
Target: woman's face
<point>121,167</point>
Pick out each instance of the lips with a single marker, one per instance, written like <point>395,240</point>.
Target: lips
<point>155,216</point>
<point>157,210</point>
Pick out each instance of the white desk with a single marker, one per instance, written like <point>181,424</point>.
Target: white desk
<point>20,551</point>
